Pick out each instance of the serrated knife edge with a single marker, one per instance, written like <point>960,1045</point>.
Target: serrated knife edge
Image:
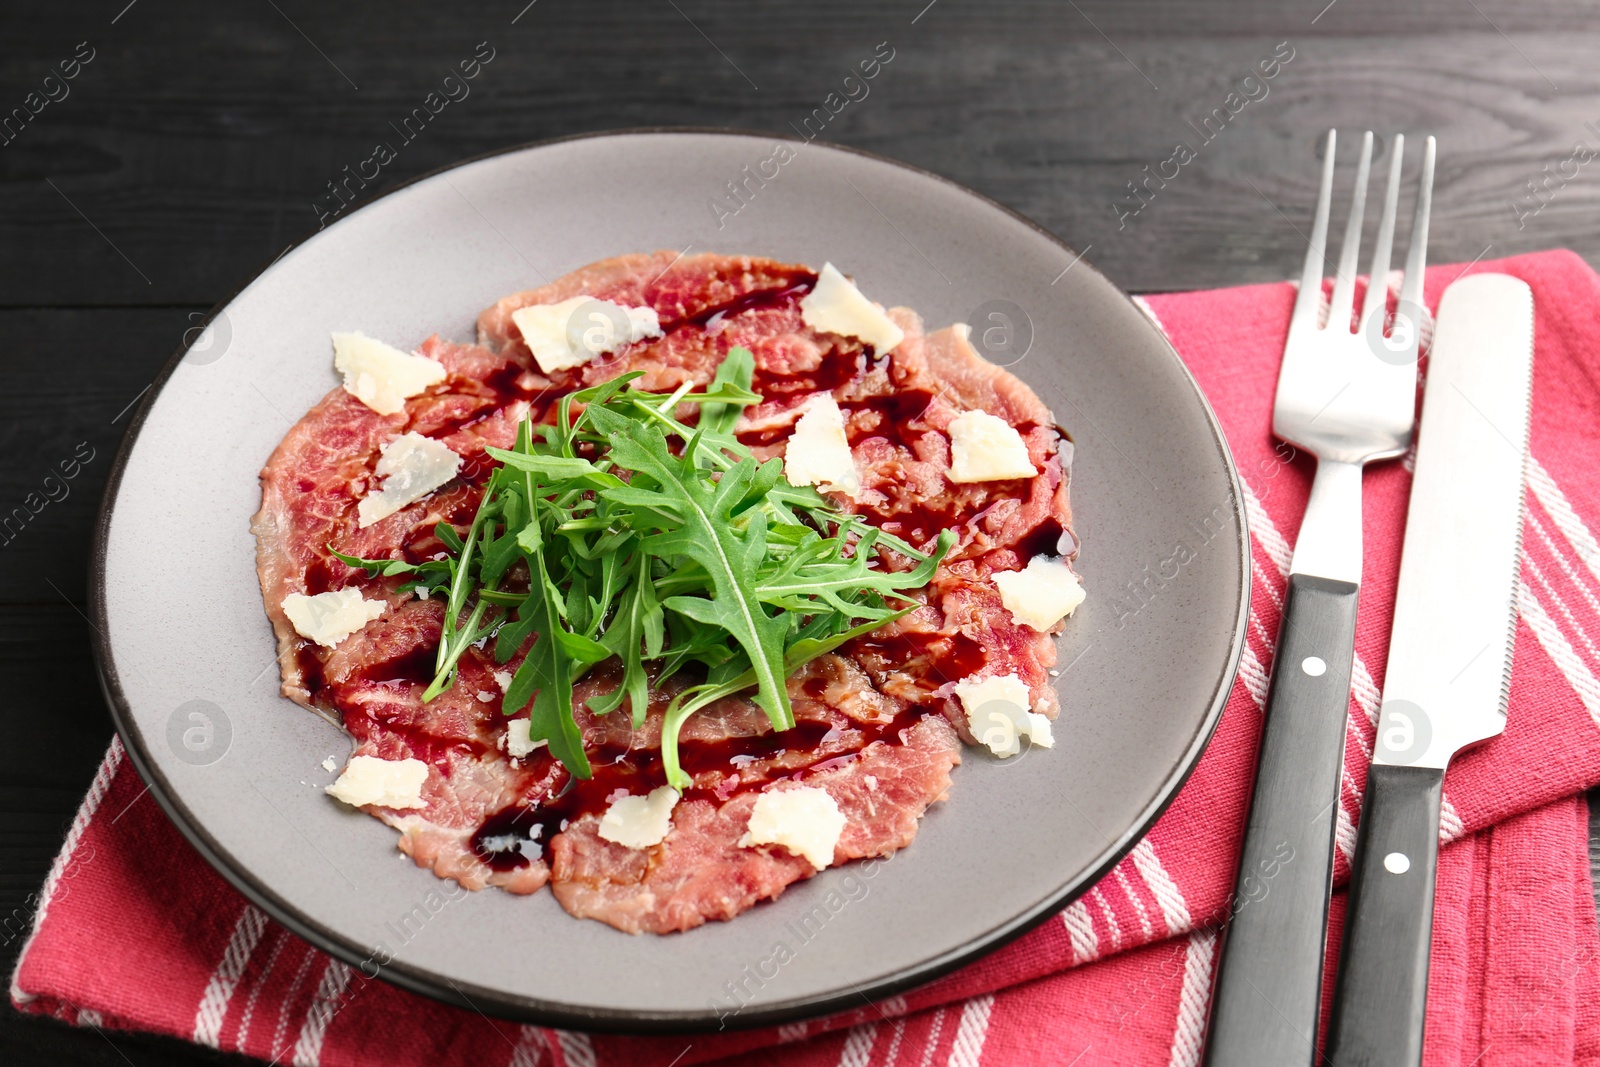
<point>1475,325</point>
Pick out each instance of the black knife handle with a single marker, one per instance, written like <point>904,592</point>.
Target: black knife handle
<point>1382,993</point>
<point>1269,985</point>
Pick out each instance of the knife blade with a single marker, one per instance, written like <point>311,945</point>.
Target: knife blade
<point>1447,683</point>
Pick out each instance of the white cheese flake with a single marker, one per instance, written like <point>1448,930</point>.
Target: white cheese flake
<point>330,764</point>
<point>1041,594</point>
<point>412,466</point>
<point>818,452</point>
<point>379,375</point>
<point>1039,730</point>
<point>806,821</point>
<point>835,305</point>
<point>639,822</point>
<point>999,714</point>
<point>330,617</point>
<point>986,448</point>
<point>580,330</point>
<point>503,680</point>
<point>519,738</point>
<point>386,783</point>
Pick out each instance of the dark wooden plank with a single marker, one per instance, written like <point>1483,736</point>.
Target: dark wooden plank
<point>31,1040</point>
<point>1593,799</point>
<point>67,385</point>
<point>1217,222</point>
<point>198,149</point>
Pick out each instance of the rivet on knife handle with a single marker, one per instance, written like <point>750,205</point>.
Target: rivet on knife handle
<point>1386,954</point>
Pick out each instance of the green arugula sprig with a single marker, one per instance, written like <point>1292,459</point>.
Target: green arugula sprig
<point>623,532</point>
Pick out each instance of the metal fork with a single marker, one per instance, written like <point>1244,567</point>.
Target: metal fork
<point>1348,397</point>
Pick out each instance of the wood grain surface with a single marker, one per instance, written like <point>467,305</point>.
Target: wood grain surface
<point>194,142</point>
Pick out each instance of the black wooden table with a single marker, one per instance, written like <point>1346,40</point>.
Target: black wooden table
<point>155,153</point>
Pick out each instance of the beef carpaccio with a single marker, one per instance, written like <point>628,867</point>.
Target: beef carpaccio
<point>880,726</point>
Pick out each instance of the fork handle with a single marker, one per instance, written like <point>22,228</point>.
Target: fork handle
<point>1269,986</point>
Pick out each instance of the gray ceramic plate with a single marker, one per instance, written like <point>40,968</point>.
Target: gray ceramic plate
<point>186,652</point>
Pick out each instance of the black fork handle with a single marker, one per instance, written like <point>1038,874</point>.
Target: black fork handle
<point>1269,985</point>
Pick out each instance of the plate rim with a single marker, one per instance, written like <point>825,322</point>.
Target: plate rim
<point>611,1020</point>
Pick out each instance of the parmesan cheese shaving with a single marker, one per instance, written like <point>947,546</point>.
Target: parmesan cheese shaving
<point>380,376</point>
<point>385,783</point>
<point>412,466</point>
<point>999,715</point>
<point>835,305</point>
<point>519,739</point>
<point>577,331</point>
<point>986,448</point>
<point>806,821</point>
<point>1041,594</point>
<point>818,452</point>
<point>330,617</point>
<point>639,822</point>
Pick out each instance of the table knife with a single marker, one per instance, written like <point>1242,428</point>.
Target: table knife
<point>1449,670</point>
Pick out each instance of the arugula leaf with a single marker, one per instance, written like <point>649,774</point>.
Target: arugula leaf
<point>823,570</point>
<point>694,518</point>
<point>548,666</point>
<point>548,670</point>
<point>430,575</point>
<point>737,369</point>
<point>635,634</point>
<point>621,532</point>
<point>446,533</point>
<point>556,470</point>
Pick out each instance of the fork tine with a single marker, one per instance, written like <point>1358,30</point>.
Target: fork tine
<point>1378,277</point>
<point>1417,254</point>
<point>1310,298</point>
<point>1344,282</point>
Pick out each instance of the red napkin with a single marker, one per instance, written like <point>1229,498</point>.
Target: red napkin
<point>133,930</point>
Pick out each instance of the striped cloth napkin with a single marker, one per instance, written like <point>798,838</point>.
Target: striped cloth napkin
<point>134,931</point>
